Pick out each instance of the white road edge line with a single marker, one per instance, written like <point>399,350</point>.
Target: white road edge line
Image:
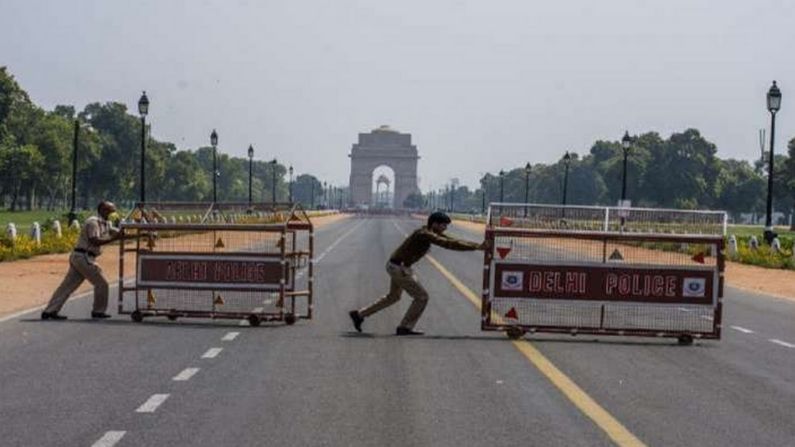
<point>212,353</point>
<point>109,439</point>
<point>151,405</point>
<point>781,343</point>
<point>230,336</point>
<point>742,329</point>
<point>186,374</point>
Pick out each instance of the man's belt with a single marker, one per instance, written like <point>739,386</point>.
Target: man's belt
<point>86,252</point>
<point>398,263</point>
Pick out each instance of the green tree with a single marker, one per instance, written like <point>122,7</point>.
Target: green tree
<point>414,201</point>
<point>739,188</point>
<point>304,186</point>
<point>19,165</point>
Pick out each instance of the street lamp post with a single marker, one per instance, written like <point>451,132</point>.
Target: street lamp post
<point>773,106</point>
<point>626,144</point>
<point>250,171</point>
<point>214,143</point>
<point>566,162</point>
<point>483,195</point>
<point>502,186</point>
<point>73,209</point>
<point>290,185</point>
<point>273,182</point>
<point>143,110</point>
<point>527,168</point>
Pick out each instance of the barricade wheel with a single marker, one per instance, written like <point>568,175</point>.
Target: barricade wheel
<point>253,320</point>
<point>514,333</point>
<point>137,316</point>
<point>685,340</point>
<point>289,319</point>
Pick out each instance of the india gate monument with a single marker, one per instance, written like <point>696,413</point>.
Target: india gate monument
<point>383,147</point>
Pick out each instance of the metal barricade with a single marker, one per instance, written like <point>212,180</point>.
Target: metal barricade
<point>607,271</point>
<point>231,261</point>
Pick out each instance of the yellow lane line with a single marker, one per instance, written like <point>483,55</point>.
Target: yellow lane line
<point>604,420</point>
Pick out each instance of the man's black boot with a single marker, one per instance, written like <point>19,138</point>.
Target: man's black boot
<point>357,319</point>
<point>406,331</point>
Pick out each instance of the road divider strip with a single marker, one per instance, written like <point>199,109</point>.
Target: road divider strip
<point>152,403</point>
<point>186,374</point>
<point>230,336</point>
<point>781,343</point>
<point>212,353</point>
<point>109,439</point>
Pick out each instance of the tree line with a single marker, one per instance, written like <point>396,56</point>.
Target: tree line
<point>682,171</point>
<point>36,148</point>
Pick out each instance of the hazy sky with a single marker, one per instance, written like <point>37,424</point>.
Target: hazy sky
<point>481,85</point>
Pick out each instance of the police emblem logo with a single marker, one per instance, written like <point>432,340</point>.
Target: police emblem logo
<point>694,287</point>
<point>512,280</point>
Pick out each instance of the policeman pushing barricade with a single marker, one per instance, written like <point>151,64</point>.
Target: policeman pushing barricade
<point>402,276</point>
<point>95,232</point>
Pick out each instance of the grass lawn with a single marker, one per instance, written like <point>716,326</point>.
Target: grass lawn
<point>24,219</point>
<point>758,230</point>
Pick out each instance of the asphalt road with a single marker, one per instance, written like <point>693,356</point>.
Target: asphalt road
<point>84,383</point>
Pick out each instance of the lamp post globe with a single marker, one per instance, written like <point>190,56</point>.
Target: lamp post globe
<point>773,106</point>
<point>143,110</point>
<point>143,104</point>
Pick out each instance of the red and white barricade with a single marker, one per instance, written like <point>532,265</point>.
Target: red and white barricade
<point>606,271</point>
<point>239,261</point>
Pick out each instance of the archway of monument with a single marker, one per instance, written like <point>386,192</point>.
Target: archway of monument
<point>383,187</point>
<point>383,147</point>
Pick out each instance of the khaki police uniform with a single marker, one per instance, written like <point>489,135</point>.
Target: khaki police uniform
<point>83,266</point>
<point>402,276</point>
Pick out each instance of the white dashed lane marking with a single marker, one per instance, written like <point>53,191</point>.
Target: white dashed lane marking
<point>230,336</point>
<point>781,343</point>
<point>212,353</point>
<point>151,405</point>
<point>186,374</point>
<point>109,439</point>
<point>742,329</point>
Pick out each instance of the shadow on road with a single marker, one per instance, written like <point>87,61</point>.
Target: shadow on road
<point>160,323</point>
<point>645,342</point>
